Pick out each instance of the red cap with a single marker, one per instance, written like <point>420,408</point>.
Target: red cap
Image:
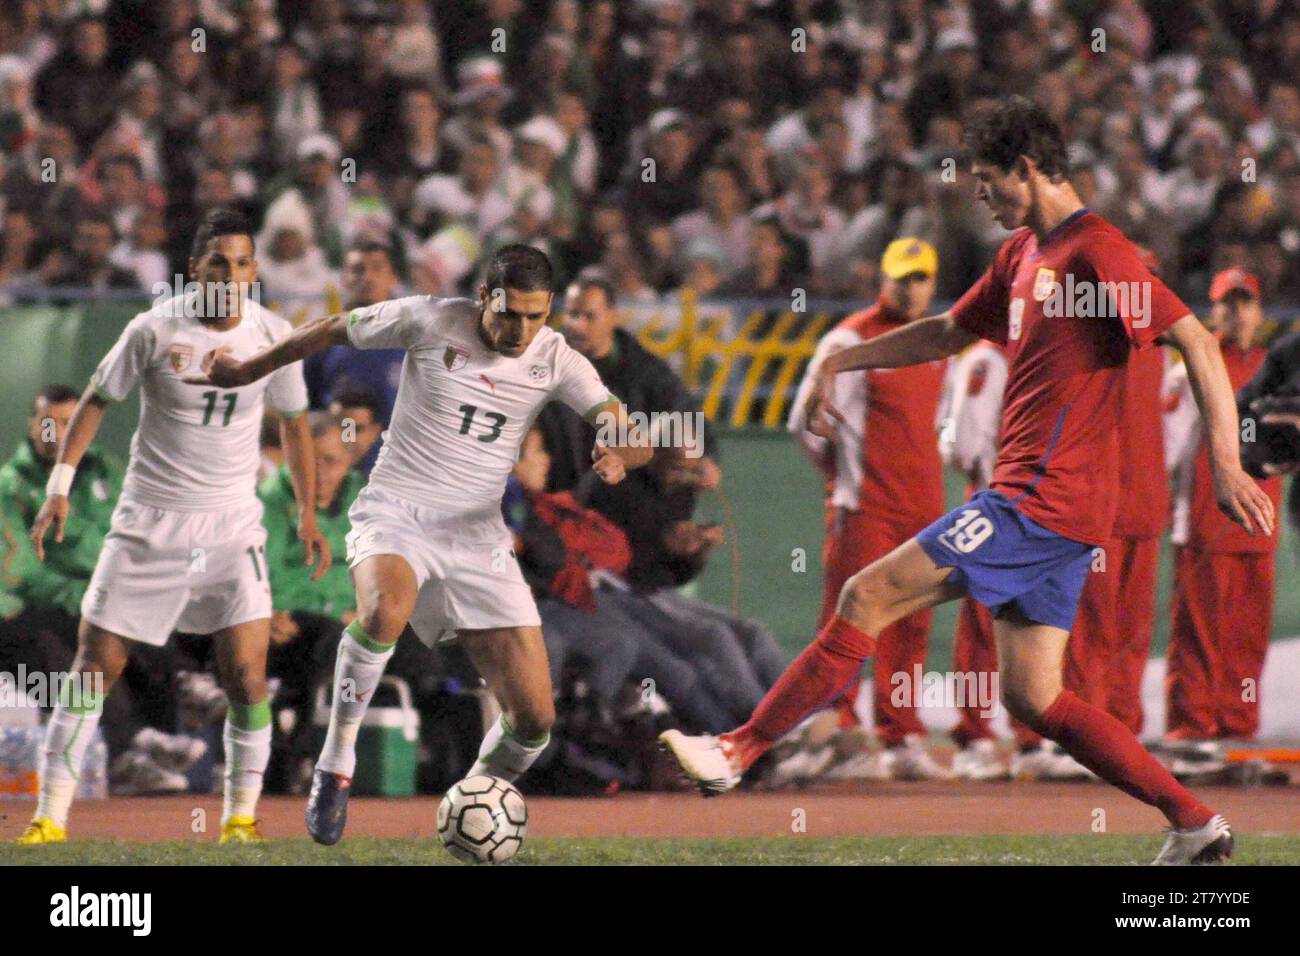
<point>1230,280</point>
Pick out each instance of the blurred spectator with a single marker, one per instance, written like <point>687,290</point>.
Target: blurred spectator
<point>771,273</point>
<point>368,276</point>
<point>481,96</point>
<point>661,183</point>
<point>475,195</point>
<point>141,250</point>
<point>357,412</point>
<point>72,89</point>
<point>643,382</point>
<point>290,265</point>
<point>809,222</point>
<point>316,183</point>
<point>720,219</point>
<point>89,265</point>
<point>60,581</point>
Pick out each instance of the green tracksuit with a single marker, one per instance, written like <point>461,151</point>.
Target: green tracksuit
<point>61,579</point>
<point>292,588</point>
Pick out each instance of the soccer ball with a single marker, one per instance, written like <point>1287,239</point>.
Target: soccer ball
<point>483,819</point>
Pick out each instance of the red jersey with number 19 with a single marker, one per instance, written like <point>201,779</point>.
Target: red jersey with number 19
<point>1069,310</point>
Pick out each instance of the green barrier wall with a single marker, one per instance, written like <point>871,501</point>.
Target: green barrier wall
<point>42,344</point>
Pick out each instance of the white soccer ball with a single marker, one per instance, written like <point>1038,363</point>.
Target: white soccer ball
<point>483,819</point>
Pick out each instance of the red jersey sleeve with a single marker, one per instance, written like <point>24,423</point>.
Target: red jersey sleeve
<point>1152,307</point>
<point>982,309</point>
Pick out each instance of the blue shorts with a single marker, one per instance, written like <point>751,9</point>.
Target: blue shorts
<point>1005,560</point>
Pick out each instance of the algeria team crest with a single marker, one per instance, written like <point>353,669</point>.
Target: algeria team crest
<point>455,357</point>
<point>180,357</point>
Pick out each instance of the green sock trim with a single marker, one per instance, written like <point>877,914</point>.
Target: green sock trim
<point>531,744</point>
<point>250,716</point>
<point>77,699</point>
<point>358,634</point>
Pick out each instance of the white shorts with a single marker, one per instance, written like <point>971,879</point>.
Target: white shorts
<point>466,570</point>
<point>163,571</point>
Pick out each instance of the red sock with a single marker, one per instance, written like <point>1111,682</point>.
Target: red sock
<point>1108,748</point>
<point>823,669</point>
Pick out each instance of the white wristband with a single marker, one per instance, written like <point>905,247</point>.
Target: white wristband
<point>60,482</point>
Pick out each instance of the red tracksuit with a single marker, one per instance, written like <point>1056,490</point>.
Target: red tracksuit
<point>1111,639</point>
<point>885,486</point>
<point>1223,604</point>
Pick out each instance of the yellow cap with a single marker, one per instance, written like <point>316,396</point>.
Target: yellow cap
<point>904,256</point>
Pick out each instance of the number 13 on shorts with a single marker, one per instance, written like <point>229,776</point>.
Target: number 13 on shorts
<point>969,531</point>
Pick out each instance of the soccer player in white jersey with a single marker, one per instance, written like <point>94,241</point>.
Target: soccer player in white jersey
<point>185,550</point>
<point>428,542</point>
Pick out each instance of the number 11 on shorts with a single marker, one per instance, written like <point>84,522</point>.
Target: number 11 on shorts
<point>970,531</point>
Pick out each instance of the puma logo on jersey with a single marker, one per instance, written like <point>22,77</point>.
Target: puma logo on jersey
<point>491,384</point>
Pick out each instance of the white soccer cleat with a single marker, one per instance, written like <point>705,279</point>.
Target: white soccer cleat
<point>979,760</point>
<point>864,765</point>
<point>913,762</point>
<point>1211,843</point>
<point>702,760</point>
<point>174,752</point>
<point>799,768</point>
<point>1041,763</point>
<point>134,773</point>
<point>1067,768</point>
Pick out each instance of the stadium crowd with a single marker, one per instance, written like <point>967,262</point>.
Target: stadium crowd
<point>736,148</point>
<point>790,139</point>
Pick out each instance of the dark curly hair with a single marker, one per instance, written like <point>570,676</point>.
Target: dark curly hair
<point>1000,132</point>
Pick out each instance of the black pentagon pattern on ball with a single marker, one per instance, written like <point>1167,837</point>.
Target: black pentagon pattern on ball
<point>482,819</point>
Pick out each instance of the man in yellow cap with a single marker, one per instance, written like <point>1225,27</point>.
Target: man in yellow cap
<point>884,484</point>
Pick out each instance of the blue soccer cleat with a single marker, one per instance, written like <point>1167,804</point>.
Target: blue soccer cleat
<point>327,806</point>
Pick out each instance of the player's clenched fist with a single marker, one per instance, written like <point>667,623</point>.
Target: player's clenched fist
<point>223,370</point>
<point>608,465</point>
<point>821,413</point>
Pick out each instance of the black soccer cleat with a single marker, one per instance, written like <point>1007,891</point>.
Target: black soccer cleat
<point>327,806</point>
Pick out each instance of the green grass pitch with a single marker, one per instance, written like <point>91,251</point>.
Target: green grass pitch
<point>1093,850</point>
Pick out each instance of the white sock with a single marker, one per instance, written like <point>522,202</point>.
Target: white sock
<point>247,753</point>
<point>506,755</point>
<point>357,669</point>
<point>67,737</point>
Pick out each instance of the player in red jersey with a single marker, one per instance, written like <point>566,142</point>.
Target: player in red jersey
<point>1070,298</point>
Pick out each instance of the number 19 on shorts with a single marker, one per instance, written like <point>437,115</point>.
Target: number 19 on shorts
<point>969,531</point>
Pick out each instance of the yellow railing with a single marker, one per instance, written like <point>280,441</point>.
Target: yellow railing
<point>711,356</point>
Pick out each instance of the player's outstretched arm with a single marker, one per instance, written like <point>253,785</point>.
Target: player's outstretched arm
<point>300,454</point>
<point>1239,497</point>
<point>925,340</point>
<point>82,428</point>
<point>309,338</point>
<point>620,446</point>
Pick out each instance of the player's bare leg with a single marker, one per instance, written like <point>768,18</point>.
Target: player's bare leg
<point>101,657</point>
<point>386,590</point>
<point>1030,660</point>
<point>902,582</point>
<point>241,666</point>
<point>512,661</point>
